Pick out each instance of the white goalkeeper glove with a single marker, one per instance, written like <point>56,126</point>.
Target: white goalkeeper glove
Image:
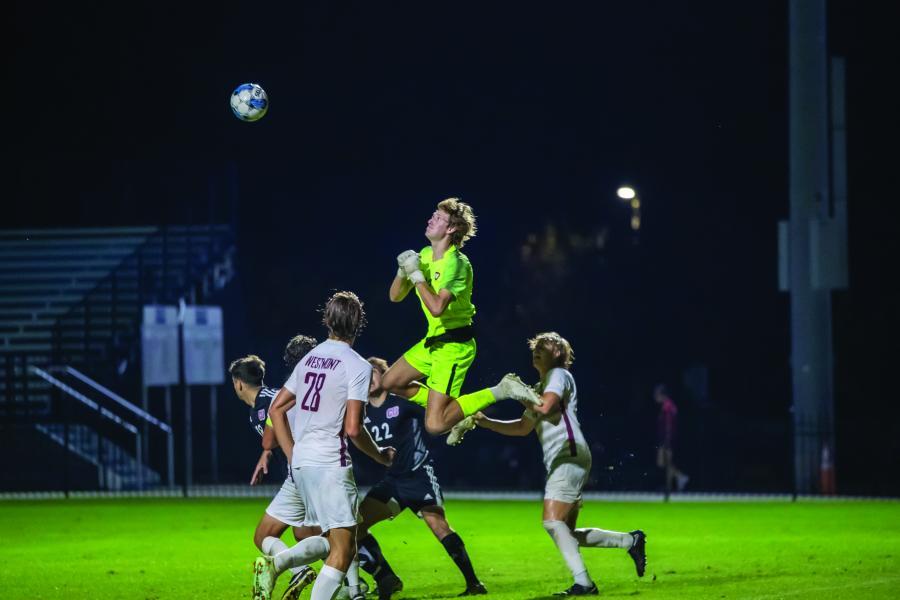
<point>409,264</point>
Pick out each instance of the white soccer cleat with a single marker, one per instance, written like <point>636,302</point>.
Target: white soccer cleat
<point>514,388</point>
<point>263,577</point>
<point>459,430</point>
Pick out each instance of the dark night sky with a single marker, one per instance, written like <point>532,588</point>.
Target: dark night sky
<point>532,112</point>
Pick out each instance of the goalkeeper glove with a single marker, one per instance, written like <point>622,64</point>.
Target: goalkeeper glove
<point>409,264</point>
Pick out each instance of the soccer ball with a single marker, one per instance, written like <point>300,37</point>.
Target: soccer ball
<point>249,102</point>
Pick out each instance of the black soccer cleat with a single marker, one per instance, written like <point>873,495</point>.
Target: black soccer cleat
<point>579,590</point>
<point>298,582</point>
<point>387,586</point>
<point>475,589</point>
<point>638,552</point>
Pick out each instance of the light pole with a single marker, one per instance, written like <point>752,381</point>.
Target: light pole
<point>628,194</point>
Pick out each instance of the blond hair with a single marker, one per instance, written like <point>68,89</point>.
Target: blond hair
<point>557,343</point>
<point>378,363</point>
<point>462,220</point>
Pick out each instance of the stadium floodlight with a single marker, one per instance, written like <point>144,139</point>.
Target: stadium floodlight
<point>626,192</point>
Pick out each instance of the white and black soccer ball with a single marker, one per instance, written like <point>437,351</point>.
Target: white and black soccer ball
<point>249,102</point>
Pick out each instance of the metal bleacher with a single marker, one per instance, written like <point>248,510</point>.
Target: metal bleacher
<point>43,275</point>
<point>72,298</point>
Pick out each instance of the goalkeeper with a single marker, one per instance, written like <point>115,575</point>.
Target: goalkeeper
<point>442,278</point>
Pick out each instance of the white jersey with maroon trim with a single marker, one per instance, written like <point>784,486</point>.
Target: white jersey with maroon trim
<point>563,441</point>
<point>323,381</point>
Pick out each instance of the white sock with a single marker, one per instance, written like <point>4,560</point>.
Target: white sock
<point>273,545</point>
<point>600,538</point>
<point>568,547</point>
<point>353,576</point>
<point>304,552</point>
<point>327,583</point>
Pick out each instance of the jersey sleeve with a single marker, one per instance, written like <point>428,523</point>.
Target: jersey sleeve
<point>293,384</point>
<point>359,375</point>
<point>455,277</point>
<point>259,415</point>
<point>558,383</point>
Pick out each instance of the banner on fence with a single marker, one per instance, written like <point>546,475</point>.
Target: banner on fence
<point>203,344</point>
<point>159,345</point>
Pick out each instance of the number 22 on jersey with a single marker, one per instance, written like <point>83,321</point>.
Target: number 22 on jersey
<point>378,435</point>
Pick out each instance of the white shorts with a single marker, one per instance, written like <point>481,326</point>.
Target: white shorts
<point>288,507</point>
<point>329,494</point>
<point>566,480</point>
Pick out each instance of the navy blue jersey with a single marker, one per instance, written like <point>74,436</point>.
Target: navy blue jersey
<point>399,423</point>
<point>258,416</point>
<point>260,411</point>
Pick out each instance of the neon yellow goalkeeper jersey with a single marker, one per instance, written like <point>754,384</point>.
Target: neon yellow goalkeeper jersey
<point>453,272</point>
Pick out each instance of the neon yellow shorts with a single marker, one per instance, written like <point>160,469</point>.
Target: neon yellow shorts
<point>444,364</point>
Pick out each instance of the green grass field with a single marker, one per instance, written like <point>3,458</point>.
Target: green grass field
<point>161,549</point>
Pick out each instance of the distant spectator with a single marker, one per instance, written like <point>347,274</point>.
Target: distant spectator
<point>667,424</point>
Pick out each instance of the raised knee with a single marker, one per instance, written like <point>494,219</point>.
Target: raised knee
<point>391,383</point>
<point>435,426</point>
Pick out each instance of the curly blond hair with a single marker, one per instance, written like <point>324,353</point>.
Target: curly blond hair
<point>378,363</point>
<point>556,342</point>
<point>462,220</point>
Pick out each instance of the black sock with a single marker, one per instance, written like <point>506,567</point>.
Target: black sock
<point>371,560</point>
<point>455,547</point>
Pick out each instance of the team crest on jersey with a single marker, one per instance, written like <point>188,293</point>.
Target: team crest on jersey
<point>261,414</point>
<point>436,276</point>
<point>393,411</point>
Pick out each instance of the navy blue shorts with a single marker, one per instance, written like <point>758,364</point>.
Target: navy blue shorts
<point>416,490</point>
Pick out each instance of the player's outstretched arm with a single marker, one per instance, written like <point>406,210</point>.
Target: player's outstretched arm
<point>360,436</point>
<point>517,427</point>
<point>551,404</point>
<point>278,413</point>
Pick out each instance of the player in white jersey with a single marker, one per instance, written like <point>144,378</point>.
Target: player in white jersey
<point>567,458</point>
<point>330,385</point>
<point>286,508</point>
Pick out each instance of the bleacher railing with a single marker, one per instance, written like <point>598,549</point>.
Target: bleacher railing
<point>100,335</point>
<point>105,460</point>
<point>175,262</point>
